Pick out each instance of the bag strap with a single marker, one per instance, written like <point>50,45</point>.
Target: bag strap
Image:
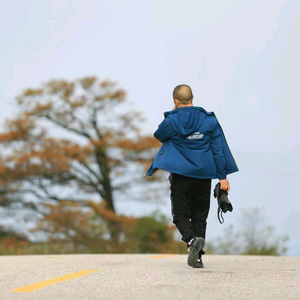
<point>219,210</point>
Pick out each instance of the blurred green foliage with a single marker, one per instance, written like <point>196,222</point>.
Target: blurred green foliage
<point>252,236</point>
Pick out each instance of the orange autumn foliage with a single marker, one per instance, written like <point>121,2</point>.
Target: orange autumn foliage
<point>69,142</point>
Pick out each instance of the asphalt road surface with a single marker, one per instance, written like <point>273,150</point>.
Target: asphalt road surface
<point>148,276</point>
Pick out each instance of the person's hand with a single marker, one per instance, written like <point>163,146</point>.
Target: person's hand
<point>225,185</point>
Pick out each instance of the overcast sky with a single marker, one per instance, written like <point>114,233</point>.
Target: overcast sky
<point>241,59</point>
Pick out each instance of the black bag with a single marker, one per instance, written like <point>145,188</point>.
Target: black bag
<point>224,204</point>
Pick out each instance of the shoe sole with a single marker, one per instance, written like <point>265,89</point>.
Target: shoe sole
<point>194,253</point>
<point>198,267</point>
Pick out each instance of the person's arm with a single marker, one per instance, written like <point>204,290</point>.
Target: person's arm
<point>165,130</point>
<point>217,151</point>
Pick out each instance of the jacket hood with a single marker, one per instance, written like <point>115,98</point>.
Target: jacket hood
<point>187,120</point>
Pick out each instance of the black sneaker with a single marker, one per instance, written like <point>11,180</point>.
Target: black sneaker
<point>194,248</point>
<point>199,263</point>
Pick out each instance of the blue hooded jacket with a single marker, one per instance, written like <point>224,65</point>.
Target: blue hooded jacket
<point>194,145</point>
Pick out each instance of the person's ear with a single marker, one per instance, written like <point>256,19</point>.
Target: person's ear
<point>176,102</point>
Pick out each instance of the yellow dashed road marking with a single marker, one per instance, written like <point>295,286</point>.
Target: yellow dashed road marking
<point>42,284</point>
<point>162,256</point>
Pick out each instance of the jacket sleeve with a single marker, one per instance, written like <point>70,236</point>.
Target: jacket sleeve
<point>217,151</point>
<point>165,130</point>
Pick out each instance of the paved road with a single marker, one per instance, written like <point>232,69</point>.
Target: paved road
<point>150,276</point>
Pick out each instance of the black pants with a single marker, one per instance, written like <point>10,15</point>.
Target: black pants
<point>190,202</point>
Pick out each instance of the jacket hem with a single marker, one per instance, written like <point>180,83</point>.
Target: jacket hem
<point>189,175</point>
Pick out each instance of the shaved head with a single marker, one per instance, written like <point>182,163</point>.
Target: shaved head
<point>183,93</point>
